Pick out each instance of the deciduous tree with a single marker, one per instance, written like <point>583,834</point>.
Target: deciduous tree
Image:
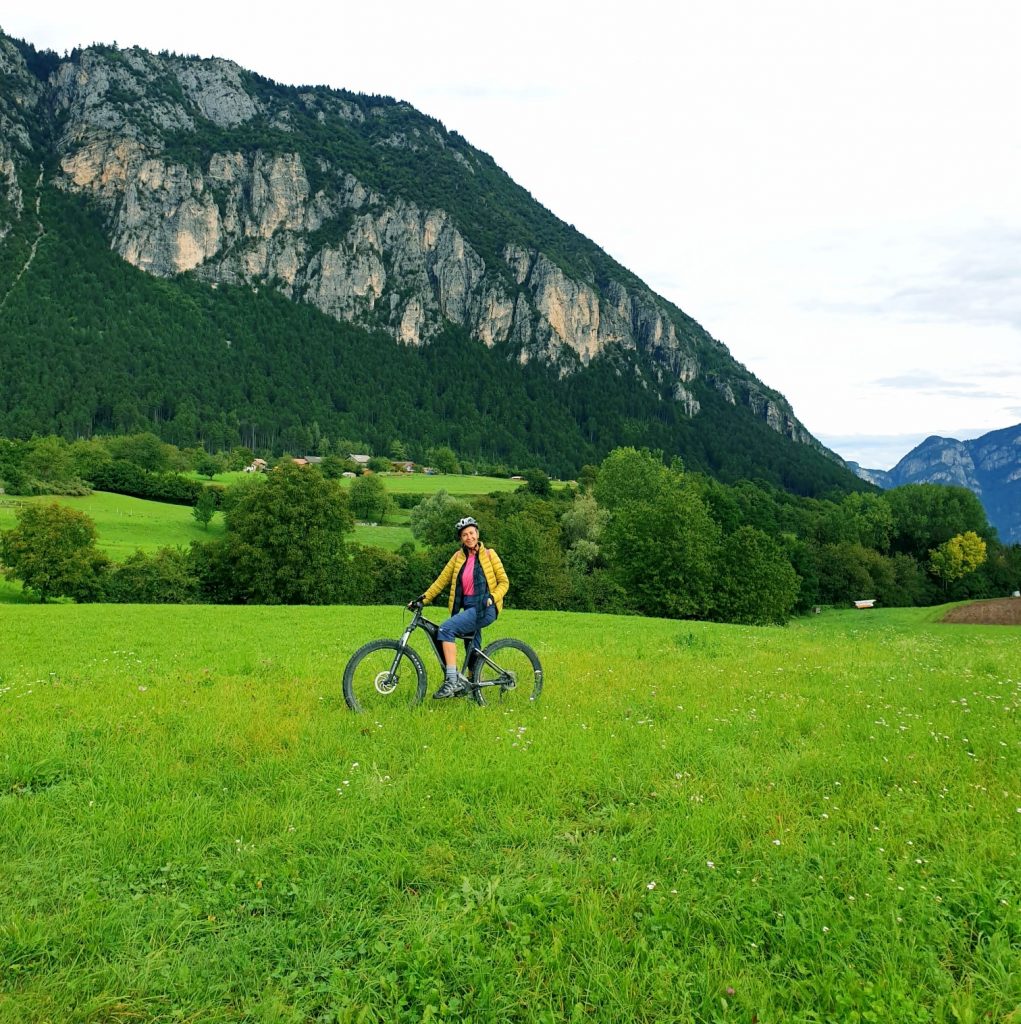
<point>285,540</point>
<point>444,458</point>
<point>957,557</point>
<point>538,483</point>
<point>370,501</point>
<point>205,506</point>
<point>53,552</point>
<point>535,563</point>
<point>628,474</point>
<point>432,520</point>
<point>664,552</point>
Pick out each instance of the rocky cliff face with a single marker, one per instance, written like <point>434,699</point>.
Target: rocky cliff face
<point>990,466</point>
<point>203,168</point>
<point>251,218</point>
<point>19,100</point>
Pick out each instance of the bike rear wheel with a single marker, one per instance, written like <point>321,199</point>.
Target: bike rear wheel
<point>515,676</point>
<point>372,680</point>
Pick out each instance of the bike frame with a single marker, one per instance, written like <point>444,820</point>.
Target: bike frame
<point>419,621</point>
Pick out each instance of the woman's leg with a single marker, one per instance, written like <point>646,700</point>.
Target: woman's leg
<point>461,624</point>
<point>449,654</point>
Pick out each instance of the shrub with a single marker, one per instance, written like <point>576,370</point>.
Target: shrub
<point>122,477</point>
<point>165,577</point>
<point>756,584</point>
<point>212,564</point>
<point>375,576</point>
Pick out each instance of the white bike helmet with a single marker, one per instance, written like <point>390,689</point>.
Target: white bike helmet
<point>462,523</point>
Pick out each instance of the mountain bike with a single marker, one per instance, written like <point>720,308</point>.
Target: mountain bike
<point>392,671</point>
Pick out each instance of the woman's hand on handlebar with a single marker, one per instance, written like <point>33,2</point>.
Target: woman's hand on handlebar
<point>416,602</point>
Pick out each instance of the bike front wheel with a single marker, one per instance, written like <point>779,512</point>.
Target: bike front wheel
<point>381,674</point>
<point>508,673</point>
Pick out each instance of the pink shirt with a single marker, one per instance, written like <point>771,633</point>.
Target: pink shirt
<point>468,577</point>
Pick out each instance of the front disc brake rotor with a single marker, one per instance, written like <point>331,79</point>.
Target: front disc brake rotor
<point>385,683</point>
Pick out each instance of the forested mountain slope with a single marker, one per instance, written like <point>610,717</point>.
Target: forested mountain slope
<point>188,247</point>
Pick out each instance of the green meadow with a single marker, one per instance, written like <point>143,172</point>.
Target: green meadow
<point>410,483</point>
<point>126,524</point>
<point>419,483</point>
<point>817,823</point>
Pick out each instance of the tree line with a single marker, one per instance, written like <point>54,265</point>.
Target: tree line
<point>634,536</point>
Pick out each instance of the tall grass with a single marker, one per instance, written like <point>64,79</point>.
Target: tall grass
<point>697,822</point>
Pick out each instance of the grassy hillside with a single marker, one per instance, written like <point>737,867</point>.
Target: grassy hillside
<point>126,524</point>
<point>818,823</point>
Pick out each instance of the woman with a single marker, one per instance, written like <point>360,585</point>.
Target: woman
<point>478,584</point>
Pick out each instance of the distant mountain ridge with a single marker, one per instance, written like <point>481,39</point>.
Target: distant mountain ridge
<point>375,215</point>
<point>989,465</point>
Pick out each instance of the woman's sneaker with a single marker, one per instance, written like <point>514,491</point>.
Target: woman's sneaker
<point>451,688</point>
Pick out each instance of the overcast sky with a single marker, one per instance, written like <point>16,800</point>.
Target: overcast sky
<point>833,191</point>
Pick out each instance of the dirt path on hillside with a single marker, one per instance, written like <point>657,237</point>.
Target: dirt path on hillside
<point>1003,611</point>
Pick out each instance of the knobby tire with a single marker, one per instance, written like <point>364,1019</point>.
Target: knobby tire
<point>368,666</point>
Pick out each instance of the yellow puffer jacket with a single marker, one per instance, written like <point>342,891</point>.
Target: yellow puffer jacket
<point>496,577</point>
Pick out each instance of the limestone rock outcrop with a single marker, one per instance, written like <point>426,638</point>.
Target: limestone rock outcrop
<point>19,98</point>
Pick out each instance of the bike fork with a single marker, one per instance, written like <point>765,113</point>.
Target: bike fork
<point>400,654</point>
